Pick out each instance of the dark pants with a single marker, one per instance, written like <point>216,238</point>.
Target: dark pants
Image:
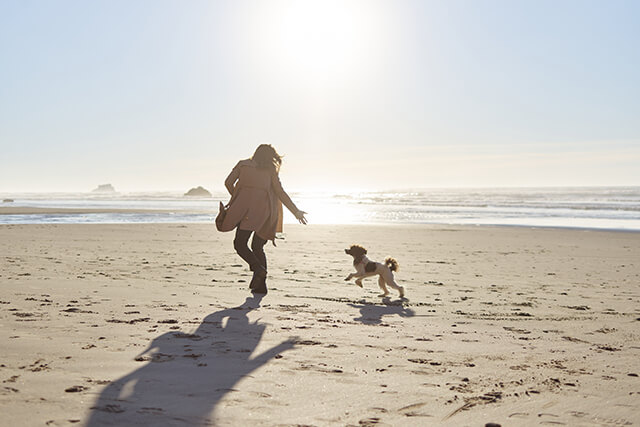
<point>254,256</point>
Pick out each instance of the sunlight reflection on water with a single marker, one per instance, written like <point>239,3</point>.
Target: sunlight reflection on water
<point>602,208</point>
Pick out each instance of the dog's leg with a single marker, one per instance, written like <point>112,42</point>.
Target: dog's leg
<point>360,276</point>
<point>358,280</point>
<point>381,283</point>
<point>389,279</point>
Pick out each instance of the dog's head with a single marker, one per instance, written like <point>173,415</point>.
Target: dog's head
<point>356,251</point>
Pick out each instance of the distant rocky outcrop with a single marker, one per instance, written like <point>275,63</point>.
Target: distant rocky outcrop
<point>7,200</point>
<point>104,188</point>
<point>198,192</point>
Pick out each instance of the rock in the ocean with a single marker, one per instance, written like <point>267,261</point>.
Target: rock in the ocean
<point>198,192</point>
<point>7,200</point>
<point>104,188</point>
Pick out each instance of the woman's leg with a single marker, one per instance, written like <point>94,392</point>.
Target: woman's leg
<point>257,247</point>
<point>259,282</point>
<point>240,245</point>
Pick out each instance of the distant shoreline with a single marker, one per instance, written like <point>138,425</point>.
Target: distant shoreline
<point>18,210</point>
<point>398,225</point>
<point>584,209</point>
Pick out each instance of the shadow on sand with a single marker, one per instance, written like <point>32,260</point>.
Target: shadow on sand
<point>372,314</point>
<point>186,375</point>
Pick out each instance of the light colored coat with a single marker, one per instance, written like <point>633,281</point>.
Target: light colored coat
<point>256,200</point>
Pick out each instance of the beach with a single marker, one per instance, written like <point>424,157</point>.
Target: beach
<point>153,324</point>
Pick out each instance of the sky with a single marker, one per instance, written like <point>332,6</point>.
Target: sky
<point>356,94</point>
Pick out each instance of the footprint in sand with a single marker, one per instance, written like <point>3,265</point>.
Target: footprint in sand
<point>412,410</point>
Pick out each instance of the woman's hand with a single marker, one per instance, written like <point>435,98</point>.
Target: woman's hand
<point>300,217</point>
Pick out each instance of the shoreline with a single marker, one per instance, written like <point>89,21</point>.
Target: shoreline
<point>4,211</point>
<point>597,208</point>
<point>18,210</point>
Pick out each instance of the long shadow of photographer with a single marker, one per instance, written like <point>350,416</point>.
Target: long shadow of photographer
<point>186,375</point>
<point>372,314</point>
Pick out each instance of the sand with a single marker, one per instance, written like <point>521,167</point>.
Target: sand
<point>154,325</point>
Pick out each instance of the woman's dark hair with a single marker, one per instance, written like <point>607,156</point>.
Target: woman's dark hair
<point>267,158</point>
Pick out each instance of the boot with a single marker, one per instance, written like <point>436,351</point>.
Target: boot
<point>255,281</point>
<point>258,285</point>
<point>259,274</point>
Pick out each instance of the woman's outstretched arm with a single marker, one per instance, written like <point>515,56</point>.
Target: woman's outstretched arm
<point>286,200</point>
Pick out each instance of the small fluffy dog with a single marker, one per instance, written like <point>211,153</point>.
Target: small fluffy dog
<point>367,268</point>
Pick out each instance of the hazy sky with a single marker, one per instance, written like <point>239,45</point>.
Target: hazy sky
<point>153,95</point>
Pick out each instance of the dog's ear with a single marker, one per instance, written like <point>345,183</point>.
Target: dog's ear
<point>358,249</point>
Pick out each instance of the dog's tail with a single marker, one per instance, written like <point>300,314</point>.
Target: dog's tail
<point>392,264</point>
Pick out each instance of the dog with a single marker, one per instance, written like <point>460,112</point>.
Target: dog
<point>367,268</point>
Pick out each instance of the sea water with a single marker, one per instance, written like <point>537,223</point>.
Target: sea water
<point>614,208</point>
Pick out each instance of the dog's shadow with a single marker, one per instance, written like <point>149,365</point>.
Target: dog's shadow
<point>372,314</point>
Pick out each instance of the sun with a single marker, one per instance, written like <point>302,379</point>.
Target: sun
<point>317,41</point>
<point>319,38</point>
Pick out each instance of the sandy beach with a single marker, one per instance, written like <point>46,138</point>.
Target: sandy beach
<point>154,325</point>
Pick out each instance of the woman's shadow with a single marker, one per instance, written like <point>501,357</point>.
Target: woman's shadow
<point>372,314</point>
<point>186,375</point>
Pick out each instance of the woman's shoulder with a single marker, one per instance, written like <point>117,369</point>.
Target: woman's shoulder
<point>252,164</point>
<point>246,162</point>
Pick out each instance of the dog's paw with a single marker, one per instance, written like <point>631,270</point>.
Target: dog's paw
<point>359,283</point>
<point>401,291</point>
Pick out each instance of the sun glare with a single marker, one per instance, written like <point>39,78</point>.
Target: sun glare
<point>318,40</point>
<point>324,209</point>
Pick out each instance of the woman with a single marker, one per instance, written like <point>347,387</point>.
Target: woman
<point>255,208</point>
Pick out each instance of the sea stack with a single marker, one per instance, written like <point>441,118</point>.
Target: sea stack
<point>104,188</point>
<point>198,192</point>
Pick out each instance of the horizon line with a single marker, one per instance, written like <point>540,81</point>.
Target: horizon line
<point>328,190</point>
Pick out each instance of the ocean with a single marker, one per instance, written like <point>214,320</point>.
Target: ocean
<point>611,208</point>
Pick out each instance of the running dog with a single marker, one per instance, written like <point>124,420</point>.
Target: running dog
<point>367,268</point>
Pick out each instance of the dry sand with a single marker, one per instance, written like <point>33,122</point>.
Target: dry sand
<point>154,325</point>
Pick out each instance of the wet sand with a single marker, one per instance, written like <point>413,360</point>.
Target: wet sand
<point>154,325</point>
